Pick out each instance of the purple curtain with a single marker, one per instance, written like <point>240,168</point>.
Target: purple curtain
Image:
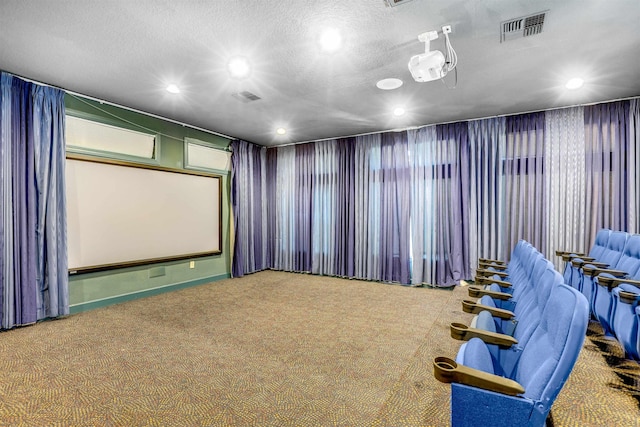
<point>452,203</point>
<point>524,210</point>
<point>272,165</point>
<point>394,208</point>
<point>33,247</point>
<point>248,177</point>
<point>345,208</point>
<point>607,165</point>
<point>304,183</point>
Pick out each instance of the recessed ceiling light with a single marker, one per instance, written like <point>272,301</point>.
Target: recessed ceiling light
<point>330,40</point>
<point>281,131</point>
<point>398,111</point>
<point>389,84</point>
<point>239,67</point>
<point>575,83</point>
<point>173,88</point>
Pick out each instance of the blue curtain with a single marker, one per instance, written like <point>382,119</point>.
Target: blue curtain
<point>422,206</point>
<point>486,146</point>
<point>439,204</point>
<point>607,148</point>
<point>394,208</point>
<point>524,209</point>
<point>33,266</point>
<point>248,200</point>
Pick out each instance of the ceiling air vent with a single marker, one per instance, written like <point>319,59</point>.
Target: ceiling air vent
<point>246,96</point>
<point>522,27</point>
<point>394,3</point>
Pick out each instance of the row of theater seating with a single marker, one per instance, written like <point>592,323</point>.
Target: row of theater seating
<point>520,347</point>
<point>609,277</point>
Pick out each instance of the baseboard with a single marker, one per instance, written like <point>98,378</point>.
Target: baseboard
<point>103,302</point>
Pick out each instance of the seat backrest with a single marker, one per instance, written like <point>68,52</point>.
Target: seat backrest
<point>531,318</point>
<point>552,350</point>
<point>624,320</point>
<point>600,243</point>
<point>638,320</point>
<point>615,246</point>
<point>629,261</point>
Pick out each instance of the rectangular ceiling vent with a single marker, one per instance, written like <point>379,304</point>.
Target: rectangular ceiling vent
<point>522,27</point>
<point>394,3</point>
<point>246,96</point>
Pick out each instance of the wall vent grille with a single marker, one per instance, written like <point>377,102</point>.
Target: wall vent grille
<point>246,96</point>
<point>525,26</point>
<point>394,3</point>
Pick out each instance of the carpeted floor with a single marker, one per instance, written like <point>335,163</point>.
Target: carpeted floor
<point>271,348</point>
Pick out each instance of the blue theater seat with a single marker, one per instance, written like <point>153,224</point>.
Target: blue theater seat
<point>599,245</point>
<point>624,318</point>
<point>604,282</point>
<point>638,323</point>
<point>610,256</point>
<point>528,318</point>
<point>484,393</point>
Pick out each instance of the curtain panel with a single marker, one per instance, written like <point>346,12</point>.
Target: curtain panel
<point>33,266</point>
<point>248,197</point>
<point>421,206</point>
<point>487,144</point>
<point>607,163</point>
<point>524,211</point>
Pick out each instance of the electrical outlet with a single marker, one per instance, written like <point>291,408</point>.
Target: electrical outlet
<point>446,29</point>
<point>192,264</point>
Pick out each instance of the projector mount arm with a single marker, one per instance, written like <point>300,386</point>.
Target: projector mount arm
<point>426,39</point>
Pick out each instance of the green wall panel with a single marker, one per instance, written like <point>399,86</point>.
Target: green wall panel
<point>97,289</point>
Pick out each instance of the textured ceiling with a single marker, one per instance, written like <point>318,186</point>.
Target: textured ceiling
<point>126,52</point>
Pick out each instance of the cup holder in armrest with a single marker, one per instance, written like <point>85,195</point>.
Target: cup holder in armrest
<point>478,292</point>
<point>446,370</point>
<point>475,308</point>
<point>462,332</point>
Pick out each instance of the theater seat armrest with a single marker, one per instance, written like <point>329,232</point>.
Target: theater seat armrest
<point>593,271</point>
<point>491,261</point>
<point>596,264</point>
<point>619,280</point>
<point>489,273</point>
<point>499,267</point>
<point>446,370</point>
<point>570,256</point>
<point>478,292</point>
<point>626,297</point>
<point>462,332</point>
<point>606,281</point>
<point>488,280</point>
<point>475,308</point>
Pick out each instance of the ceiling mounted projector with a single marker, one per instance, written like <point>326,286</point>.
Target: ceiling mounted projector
<point>433,65</point>
<point>427,66</point>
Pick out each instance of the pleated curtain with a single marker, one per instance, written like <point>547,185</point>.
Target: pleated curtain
<point>565,180</point>
<point>33,266</point>
<point>524,211</point>
<point>421,206</point>
<point>439,204</point>
<point>248,201</point>
<point>607,162</point>
<point>634,166</point>
<point>487,144</point>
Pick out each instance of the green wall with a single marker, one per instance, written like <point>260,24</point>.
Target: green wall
<point>91,290</point>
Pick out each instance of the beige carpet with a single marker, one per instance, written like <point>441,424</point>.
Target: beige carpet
<point>271,348</point>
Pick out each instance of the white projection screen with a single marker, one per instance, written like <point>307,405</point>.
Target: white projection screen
<point>121,214</point>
